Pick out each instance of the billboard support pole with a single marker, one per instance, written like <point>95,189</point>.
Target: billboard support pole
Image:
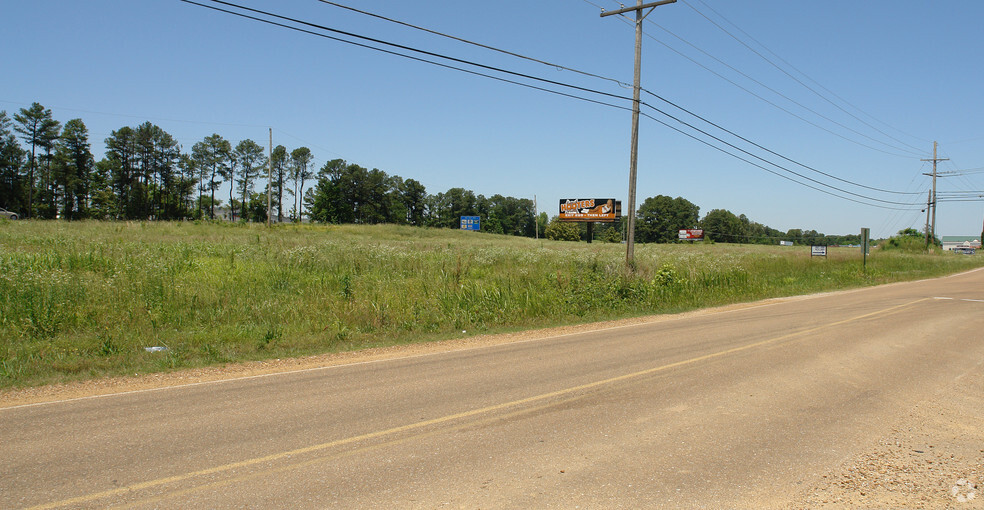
<point>634,152</point>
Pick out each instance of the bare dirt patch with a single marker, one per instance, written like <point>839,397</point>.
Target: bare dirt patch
<point>933,458</point>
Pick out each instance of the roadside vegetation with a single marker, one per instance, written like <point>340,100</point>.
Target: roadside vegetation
<point>85,299</point>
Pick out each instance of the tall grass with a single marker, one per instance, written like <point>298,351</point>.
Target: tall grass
<point>81,300</point>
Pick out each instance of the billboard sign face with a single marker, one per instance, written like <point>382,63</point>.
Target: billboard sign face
<point>691,234</point>
<point>471,223</point>
<point>590,209</point>
<point>818,251</point>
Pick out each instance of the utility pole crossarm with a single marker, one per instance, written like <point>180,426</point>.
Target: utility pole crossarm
<point>637,8</point>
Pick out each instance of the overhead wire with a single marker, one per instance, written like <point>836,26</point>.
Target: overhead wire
<point>754,94</point>
<point>657,96</point>
<point>552,82</point>
<point>399,46</point>
<point>780,94</point>
<point>767,162</point>
<point>794,78</point>
<point>514,54</point>
<point>894,220</point>
<point>756,41</point>
<point>473,43</point>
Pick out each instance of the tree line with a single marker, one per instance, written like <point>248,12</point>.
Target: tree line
<point>659,220</point>
<point>145,174</point>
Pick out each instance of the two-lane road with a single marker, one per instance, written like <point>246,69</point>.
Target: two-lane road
<point>738,407</point>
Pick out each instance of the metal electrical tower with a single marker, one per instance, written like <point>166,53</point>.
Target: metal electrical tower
<point>634,154</point>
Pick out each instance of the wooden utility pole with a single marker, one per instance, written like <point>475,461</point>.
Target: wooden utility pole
<point>270,181</point>
<point>634,151</point>
<point>934,174</point>
<point>929,205</point>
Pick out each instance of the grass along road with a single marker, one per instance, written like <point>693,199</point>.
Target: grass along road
<point>84,300</point>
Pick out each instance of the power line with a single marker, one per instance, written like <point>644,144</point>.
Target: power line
<point>776,153</point>
<point>797,80</point>
<point>806,75</point>
<point>770,163</point>
<point>480,45</point>
<point>757,96</point>
<point>553,82</point>
<point>396,45</point>
<point>784,96</point>
<point>517,55</point>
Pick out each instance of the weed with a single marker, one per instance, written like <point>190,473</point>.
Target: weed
<point>82,299</point>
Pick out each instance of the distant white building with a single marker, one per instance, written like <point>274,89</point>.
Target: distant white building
<point>223,213</point>
<point>951,242</point>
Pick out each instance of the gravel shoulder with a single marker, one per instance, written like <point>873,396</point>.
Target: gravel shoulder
<point>932,458</point>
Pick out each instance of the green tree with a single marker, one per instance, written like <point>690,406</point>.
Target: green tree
<point>414,197</point>
<point>170,187</point>
<point>121,156</point>
<point>757,233</point>
<point>612,234</point>
<point>12,185</point>
<point>446,209</point>
<point>721,225</point>
<point>280,162</point>
<point>257,207</point>
<point>37,128</point>
<point>48,194</point>
<point>660,218</point>
<point>211,156</point>
<point>75,164</point>
<point>250,159</point>
<point>102,204</point>
<point>795,235</point>
<point>507,215</point>
<point>189,181</point>
<point>300,160</point>
<point>327,205</point>
<point>156,185</point>
<point>562,230</point>
<point>542,220</point>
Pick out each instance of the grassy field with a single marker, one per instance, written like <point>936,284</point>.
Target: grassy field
<point>83,300</point>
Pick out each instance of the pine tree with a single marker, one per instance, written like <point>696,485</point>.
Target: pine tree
<point>36,127</point>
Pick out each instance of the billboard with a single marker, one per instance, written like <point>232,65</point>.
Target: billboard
<point>590,209</point>
<point>471,223</point>
<point>691,234</point>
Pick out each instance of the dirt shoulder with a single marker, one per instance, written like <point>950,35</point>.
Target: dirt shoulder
<point>932,458</point>
<point>116,385</point>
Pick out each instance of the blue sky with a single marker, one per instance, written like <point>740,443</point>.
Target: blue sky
<point>892,77</point>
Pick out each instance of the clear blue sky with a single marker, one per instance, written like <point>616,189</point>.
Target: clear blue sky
<point>910,70</point>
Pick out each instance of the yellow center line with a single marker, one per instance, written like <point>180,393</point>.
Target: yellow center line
<point>452,417</point>
<point>340,455</point>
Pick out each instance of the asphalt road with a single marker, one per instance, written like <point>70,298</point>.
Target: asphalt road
<point>740,407</point>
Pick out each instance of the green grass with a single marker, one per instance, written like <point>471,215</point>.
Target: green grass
<point>83,300</point>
